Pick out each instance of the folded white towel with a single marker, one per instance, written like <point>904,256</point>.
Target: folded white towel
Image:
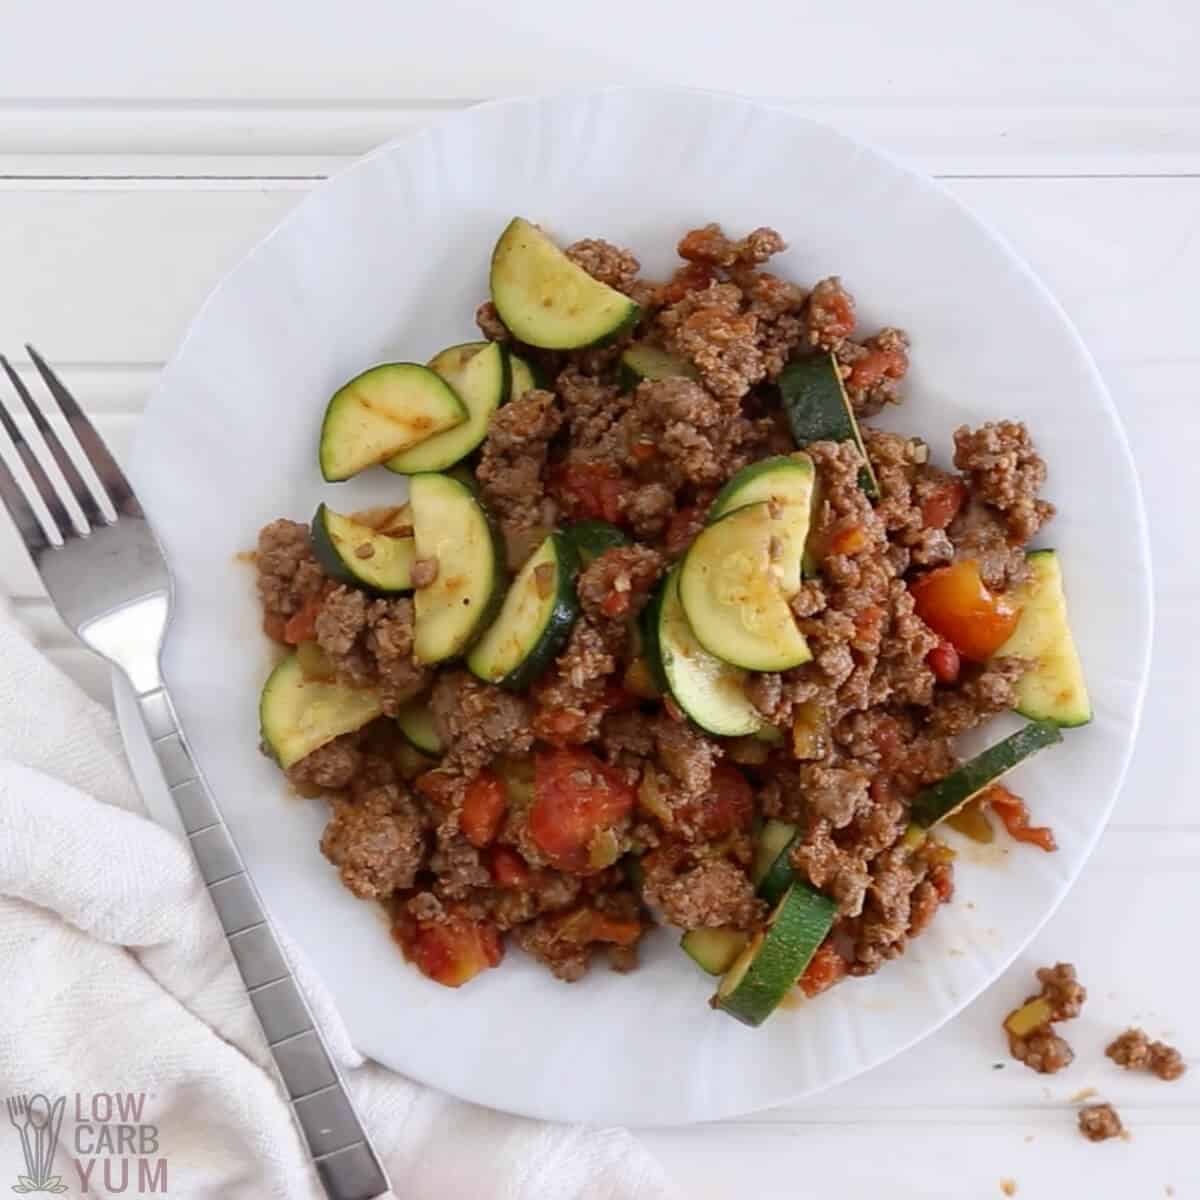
<point>115,981</point>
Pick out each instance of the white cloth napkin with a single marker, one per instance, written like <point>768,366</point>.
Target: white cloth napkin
<point>115,978</point>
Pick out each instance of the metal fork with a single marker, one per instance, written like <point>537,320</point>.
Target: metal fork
<point>109,581</point>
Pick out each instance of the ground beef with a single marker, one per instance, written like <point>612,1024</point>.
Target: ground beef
<point>477,722</point>
<point>872,370</point>
<point>1064,991</point>
<point>490,325</point>
<point>978,698</point>
<point>649,508</point>
<point>687,757</point>
<point>695,438</point>
<point>838,872</point>
<point>906,482</point>
<point>1042,1051</point>
<point>616,585</point>
<point>829,314</point>
<point>287,571</point>
<point>594,411</point>
<point>457,864</point>
<point>608,263</point>
<point>1099,1122</point>
<point>705,894</point>
<point>710,246</point>
<point>369,643</point>
<point>377,844</point>
<point>569,700</point>
<point>1136,1052</point>
<point>330,768</point>
<point>979,534</point>
<point>1005,472</point>
<point>711,329</point>
<point>511,467</point>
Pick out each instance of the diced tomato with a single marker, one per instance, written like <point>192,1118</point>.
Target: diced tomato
<point>615,604</point>
<point>643,452</point>
<point>941,506</point>
<point>956,604</point>
<point>852,539</point>
<point>868,622</point>
<point>726,807</point>
<point>275,627</point>
<point>302,626</point>
<point>824,969</point>
<point>509,869</point>
<point>591,491</point>
<point>452,951</point>
<point>944,662</point>
<point>574,796</point>
<point>693,277</point>
<point>877,365</point>
<point>484,805</point>
<point>1012,811</point>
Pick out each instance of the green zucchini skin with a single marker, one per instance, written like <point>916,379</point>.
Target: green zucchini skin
<point>773,873</point>
<point>480,374</point>
<point>1054,688</point>
<point>298,715</point>
<point>713,950</point>
<point>592,538</point>
<point>818,410</point>
<point>530,630</point>
<point>546,300</point>
<point>709,691</point>
<point>641,362</point>
<point>773,961</point>
<point>416,724</point>
<point>935,803</point>
<point>382,412</point>
<point>451,524</point>
<point>387,572</point>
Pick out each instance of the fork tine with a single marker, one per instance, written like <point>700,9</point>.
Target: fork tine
<point>112,478</point>
<point>84,497</point>
<point>20,510</point>
<point>61,525</point>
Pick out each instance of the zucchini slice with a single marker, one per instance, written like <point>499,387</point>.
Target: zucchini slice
<point>534,622</point>
<point>381,412</point>
<point>649,362</point>
<point>1054,689</point>
<point>818,409</point>
<point>767,969</point>
<point>416,724</point>
<point>772,871</point>
<point>592,538</point>
<point>548,301</point>
<point>359,555</point>
<point>522,377</point>
<point>710,691</point>
<point>479,374</point>
<point>713,950</point>
<point>297,714</point>
<point>935,803</point>
<point>788,481</point>
<point>452,528</point>
<point>731,597</point>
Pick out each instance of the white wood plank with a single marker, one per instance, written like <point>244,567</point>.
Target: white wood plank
<point>308,139</point>
<point>937,51</point>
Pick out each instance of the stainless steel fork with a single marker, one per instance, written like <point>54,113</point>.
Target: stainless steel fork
<point>108,579</point>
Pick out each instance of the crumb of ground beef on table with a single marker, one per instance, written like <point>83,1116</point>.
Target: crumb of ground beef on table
<point>1136,1052</point>
<point>1099,1122</point>
<point>1062,998</point>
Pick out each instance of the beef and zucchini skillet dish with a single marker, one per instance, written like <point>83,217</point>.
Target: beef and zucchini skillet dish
<point>660,631</point>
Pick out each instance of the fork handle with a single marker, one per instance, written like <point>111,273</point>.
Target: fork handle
<point>342,1153</point>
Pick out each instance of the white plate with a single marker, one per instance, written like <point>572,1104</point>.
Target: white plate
<point>389,260</point>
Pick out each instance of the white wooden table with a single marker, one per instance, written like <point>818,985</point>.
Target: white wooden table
<point>144,147</point>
